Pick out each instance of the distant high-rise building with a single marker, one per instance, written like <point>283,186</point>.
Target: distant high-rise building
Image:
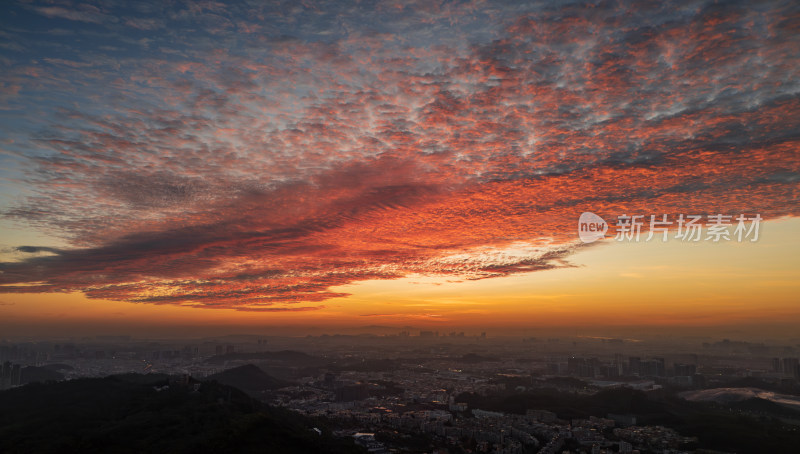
<point>651,367</point>
<point>5,375</point>
<point>16,375</point>
<point>685,370</point>
<point>634,365</point>
<point>777,365</point>
<point>790,366</point>
<point>586,370</point>
<point>583,367</point>
<point>574,363</point>
<point>660,368</point>
<point>610,371</point>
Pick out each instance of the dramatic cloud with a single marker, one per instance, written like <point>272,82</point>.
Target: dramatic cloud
<point>228,156</point>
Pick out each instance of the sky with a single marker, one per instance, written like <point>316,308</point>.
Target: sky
<point>384,163</point>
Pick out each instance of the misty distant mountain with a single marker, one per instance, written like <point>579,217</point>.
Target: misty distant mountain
<point>138,413</point>
<point>249,378</point>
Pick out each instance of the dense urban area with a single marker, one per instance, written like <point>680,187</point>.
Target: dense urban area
<point>426,391</point>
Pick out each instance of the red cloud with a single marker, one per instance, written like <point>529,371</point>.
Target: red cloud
<point>250,181</point>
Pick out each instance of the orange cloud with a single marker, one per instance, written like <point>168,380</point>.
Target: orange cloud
<point>260,177</point>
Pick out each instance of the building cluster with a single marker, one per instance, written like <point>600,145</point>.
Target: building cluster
<point>422,395</point>
<point>10,375</point>
<point>428,407</point>
<point>681,374</point>
<point>789,367</point>
<point>107,355</point>
<point>654,438</point>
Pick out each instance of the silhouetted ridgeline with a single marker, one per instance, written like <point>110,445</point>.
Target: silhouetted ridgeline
<point>285,356</point>
<point>148,413</point>
<point>248,378</point>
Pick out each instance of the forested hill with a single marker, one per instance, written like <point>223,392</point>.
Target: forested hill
<point>141,413</point>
